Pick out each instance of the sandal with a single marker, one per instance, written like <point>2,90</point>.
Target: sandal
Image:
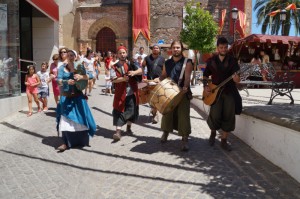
<point>62,148</point>
<point>39,110</point>
<point>29,114</point>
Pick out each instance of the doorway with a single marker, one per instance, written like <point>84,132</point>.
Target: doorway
<point>106,40</point>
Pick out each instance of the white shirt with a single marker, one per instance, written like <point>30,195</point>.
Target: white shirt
<point>44,77</point>
<point>89,63</point>
<point>142,55</point>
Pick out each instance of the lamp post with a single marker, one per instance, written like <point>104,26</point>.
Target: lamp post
<point>234,16</point>
<point>282,19</point>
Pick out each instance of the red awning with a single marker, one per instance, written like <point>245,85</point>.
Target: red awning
<point>256,42</point>
<point>271,38</point>
<point>48,7</point>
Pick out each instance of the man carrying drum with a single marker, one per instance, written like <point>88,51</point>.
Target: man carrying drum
<point>179,119</point>
<point>126,104</point>
<point>154,64</point>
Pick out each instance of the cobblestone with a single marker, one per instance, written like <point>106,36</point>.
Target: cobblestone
<point>138,166</point>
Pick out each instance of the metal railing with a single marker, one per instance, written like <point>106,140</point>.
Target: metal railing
<point>24,60</point>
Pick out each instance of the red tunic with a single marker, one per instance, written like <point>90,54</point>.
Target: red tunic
<point>120,89</point>
<point>107,61</point>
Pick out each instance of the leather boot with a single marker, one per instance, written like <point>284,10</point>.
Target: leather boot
<point>212,138</point>
<point>128,130</point>
<point>184,144</point>
<point>155,119</point>
<point>164,137</point>
<point>117,135</point>
<point>225,146</point>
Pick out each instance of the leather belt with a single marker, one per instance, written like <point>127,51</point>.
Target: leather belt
<point>71,94</point>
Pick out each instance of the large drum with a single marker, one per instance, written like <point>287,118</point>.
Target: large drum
<point>165,96</point>
<point>144,91</point>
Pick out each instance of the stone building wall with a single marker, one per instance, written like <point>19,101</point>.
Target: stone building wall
<point>166,17</point>
<point>165,21</point>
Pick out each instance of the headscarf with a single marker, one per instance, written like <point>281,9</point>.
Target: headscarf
<point>75,53</point>
<point>122,47</point>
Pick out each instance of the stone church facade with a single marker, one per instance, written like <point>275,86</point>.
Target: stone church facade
<point>105,24</point>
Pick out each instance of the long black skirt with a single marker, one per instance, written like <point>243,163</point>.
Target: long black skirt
<point>131,112</point>
<point>76,139</point>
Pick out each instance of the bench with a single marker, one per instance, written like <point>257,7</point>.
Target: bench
<point>279,83</point>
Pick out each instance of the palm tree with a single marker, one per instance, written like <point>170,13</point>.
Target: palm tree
<point>273,24</point>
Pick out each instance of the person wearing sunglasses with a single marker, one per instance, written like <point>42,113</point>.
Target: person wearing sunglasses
<point>63,56</point>
<point>53,76</point>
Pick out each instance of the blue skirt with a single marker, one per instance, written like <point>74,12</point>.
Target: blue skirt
<point>77,110</point>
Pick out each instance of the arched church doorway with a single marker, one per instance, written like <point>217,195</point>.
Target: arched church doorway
<point>106,40</point>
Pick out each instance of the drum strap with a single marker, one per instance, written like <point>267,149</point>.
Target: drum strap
<point>182,71</point>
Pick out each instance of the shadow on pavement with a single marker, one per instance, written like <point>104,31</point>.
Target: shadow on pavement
<point>238,174</point>
<point>102,111</point>
<point>22,130</point>
<point>102,171</point>
<point>103,132</point>
<point>141,120</point>
<point>52,141</point>
<point>50,114</point>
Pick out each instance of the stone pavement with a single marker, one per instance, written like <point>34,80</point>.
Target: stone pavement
<point>138,166</point>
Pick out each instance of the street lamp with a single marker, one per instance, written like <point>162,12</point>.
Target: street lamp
<point>234,16</point>
<point>282,19</point>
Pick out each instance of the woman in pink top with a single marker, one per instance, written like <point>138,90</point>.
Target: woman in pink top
<point>53,75</point>
<point>32,81</point>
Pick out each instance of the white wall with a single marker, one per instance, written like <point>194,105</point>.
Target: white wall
<point>44,39</point>
<point>11,105</point>
<point>278,144</point>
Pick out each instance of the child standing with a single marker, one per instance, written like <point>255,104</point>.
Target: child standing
<point>43,89</point>
<point>31,82</point>
<point>108,82</point>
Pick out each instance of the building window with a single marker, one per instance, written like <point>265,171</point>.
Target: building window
<point>9,49</point>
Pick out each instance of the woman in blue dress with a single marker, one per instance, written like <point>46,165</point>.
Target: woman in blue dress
<point>74,118</point>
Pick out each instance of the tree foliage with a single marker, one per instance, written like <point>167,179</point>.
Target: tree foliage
<point>273,24</point>
<point>200,29</point>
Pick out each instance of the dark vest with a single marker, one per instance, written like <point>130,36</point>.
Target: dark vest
<point>154,66</point>
<point>173,69</point>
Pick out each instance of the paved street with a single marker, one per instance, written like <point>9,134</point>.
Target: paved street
<point>138,166</point>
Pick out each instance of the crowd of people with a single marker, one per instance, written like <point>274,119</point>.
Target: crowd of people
<point>73,78</point>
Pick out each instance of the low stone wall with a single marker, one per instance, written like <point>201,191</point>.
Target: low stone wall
<point>12,105</point>
<point>273,134</point>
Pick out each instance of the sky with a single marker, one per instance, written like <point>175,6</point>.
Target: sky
<point>257,29</point>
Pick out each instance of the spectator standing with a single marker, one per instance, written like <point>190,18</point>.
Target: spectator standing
<point>53,76</point>
<point>88,62</point>
<point>43,88</point>
<point>140,53</point>
<point>32,81</point>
